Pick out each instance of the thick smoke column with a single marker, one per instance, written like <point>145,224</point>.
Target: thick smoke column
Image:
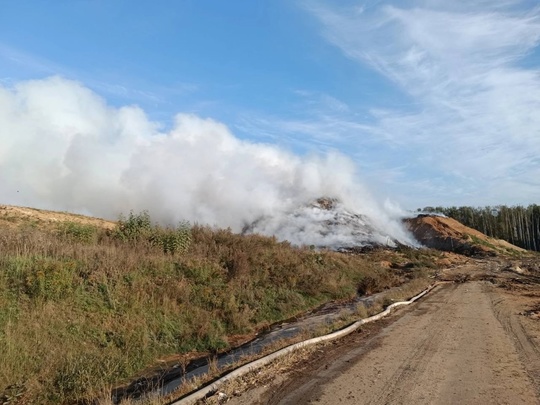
<point>62,147</point>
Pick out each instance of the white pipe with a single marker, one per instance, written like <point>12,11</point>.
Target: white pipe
<point>205,391</point>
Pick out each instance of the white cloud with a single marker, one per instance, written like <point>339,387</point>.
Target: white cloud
<point>476,95</point>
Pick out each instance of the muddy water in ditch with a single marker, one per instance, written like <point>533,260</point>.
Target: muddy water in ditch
<point>169,380</point>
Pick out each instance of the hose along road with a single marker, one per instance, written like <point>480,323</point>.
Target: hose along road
<point>462,344</point>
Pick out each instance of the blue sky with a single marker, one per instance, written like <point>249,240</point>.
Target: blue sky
<point>435,102</point>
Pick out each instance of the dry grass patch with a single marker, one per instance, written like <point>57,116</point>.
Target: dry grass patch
<point>84,308</point>
<point>280,367</point>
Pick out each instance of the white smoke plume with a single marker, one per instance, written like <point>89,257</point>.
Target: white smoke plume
<point>62,147</point>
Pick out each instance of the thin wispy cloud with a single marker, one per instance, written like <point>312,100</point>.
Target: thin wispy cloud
<point>464,66</point>
<point>34,64</point>
<point>113,83</point>
<point>315,121</point>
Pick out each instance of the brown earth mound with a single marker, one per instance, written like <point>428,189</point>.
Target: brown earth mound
<point>447,234</point>
<point>15,216</point>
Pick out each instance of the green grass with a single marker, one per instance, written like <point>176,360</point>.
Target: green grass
<point>482,242</point>
<point>83,309</point>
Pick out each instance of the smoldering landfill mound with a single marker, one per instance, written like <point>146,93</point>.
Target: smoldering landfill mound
<point>327,222</point>
<point>65,149</point>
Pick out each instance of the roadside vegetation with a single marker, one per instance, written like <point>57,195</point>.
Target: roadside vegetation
<point>83,308</point>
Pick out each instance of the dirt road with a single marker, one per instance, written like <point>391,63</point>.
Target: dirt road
<point>460,345</point>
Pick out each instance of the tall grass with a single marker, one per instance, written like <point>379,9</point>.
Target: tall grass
<point>82,308</point>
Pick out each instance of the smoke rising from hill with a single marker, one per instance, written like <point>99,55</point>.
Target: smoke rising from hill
<point>62,147</point>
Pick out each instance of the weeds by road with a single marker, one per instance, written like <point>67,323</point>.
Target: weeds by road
<point>84,308</point>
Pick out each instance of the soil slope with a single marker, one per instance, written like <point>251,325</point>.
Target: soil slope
<point>16,216</point>
<point>447,234</point>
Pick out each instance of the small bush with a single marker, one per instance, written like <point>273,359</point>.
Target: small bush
<point>77,232</point>
<point>134,228</point>
<point>171,240</point>
<point>139,228</point>
<point>368,285</point>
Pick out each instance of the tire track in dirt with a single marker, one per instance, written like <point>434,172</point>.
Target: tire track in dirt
<point>528,350</point>
<point>415,364</point>
<point>459,345</point>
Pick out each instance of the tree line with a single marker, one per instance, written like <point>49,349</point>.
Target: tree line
<point>517,225</point>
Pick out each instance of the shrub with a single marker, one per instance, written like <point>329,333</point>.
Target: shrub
<point>77,232</point>
<point>134,228</point>
<point>171,240</point>
<point>139,228</point>
<point>368,285</point>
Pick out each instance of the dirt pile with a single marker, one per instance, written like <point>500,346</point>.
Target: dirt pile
<point>11,216</point>
<point>330,223</point>
<point>447,234</point>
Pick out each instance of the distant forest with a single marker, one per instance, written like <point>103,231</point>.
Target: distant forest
<point>517,225</point>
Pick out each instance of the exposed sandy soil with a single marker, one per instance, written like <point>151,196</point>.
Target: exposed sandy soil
<point>450,235</point>
<point>470,342</point>
<point>15,216</point>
